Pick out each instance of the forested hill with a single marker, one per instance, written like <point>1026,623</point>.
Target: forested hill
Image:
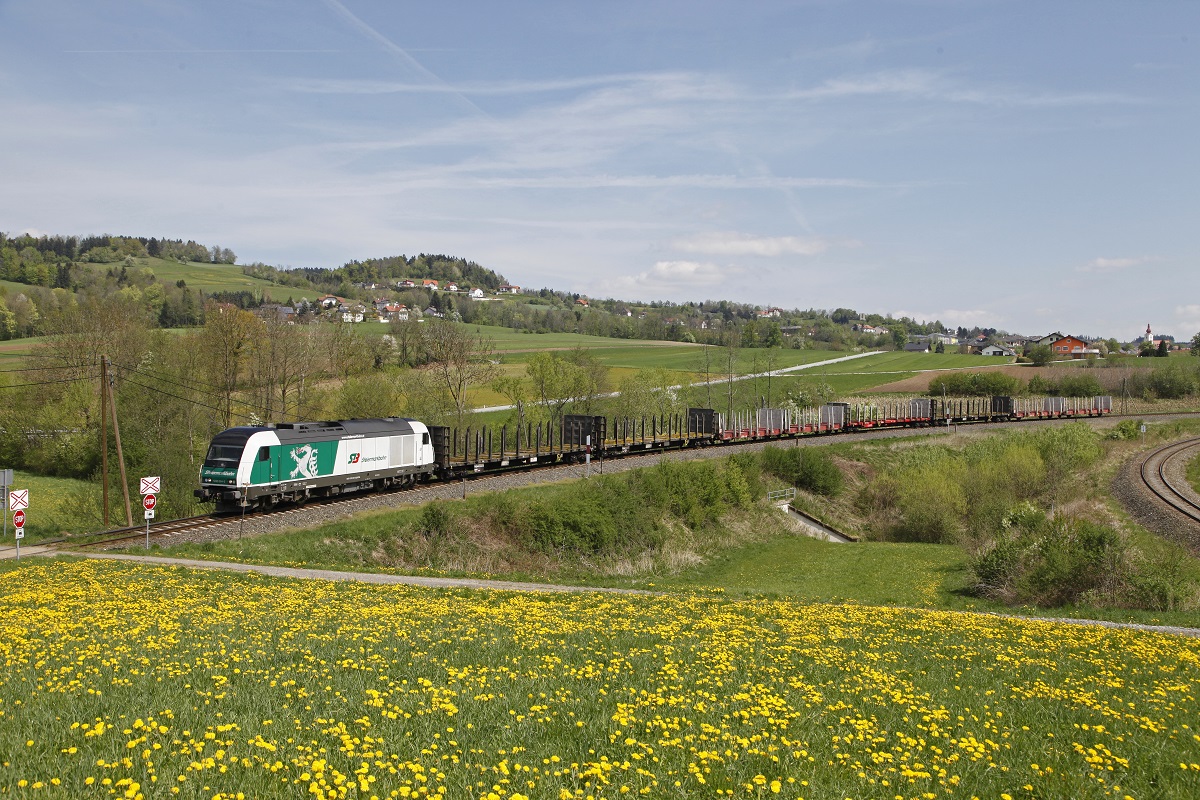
<point>388,270</point>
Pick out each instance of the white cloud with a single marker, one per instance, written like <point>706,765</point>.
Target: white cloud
<point>931,85</point>
<point>1103,265</point>
<point>740,244</point>
<point>1187,320</point>
<point>671,278</point>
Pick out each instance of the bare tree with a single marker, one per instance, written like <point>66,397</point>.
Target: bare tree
<point>458,361</point>
<point>228,332</point>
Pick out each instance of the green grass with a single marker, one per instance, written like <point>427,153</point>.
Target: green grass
<point>810,570</point>
<point>212,277</point>
<point>54,507</point>
<point>509,340</point>
<point>843,384</point>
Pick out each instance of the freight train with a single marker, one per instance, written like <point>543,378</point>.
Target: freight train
<point>259,467</point>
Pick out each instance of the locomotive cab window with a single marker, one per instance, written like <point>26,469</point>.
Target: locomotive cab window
<point>264,453</point>
<point>219,453</point>
<point>424,438</point>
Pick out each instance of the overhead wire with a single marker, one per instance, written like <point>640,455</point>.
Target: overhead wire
<point>175,396</point>
<point>48,383</point>
<point>254,407</point>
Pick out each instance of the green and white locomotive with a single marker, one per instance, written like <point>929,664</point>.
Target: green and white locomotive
<point>260,466</point>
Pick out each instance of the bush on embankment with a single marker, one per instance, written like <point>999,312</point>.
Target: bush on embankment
<point>808,468</point>
<point>606,516</point>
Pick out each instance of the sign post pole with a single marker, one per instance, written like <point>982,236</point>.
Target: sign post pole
<point>19,524</point>
<point>587,457</point>
<point>18,501</point>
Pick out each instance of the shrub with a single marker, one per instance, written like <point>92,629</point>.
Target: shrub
<point>1067,447</point>
<point>435,521</point>
<point>975,384</point>
<point>806,468</point>
<point>1052,562</point>
<point>1072,384</point>
<point>1126,429</point>
<point>1071,559</point>
<point>1173,381</point>
<point>1079,385</point>
<point>932,505</point>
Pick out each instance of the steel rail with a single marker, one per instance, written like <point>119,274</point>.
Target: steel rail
<point>1154,469</point>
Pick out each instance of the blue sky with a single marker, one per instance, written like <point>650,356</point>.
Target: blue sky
<point>1030,166</point>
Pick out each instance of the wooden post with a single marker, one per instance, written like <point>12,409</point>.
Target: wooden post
<point>112,399</point>
<point>104,432</point>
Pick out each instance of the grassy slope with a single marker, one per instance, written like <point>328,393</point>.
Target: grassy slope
<point>212,277</point>
<point>52,508</point>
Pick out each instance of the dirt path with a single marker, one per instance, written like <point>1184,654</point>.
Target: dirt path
<point>362,577</point>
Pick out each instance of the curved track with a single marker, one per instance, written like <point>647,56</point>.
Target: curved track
<point>1160,471</point>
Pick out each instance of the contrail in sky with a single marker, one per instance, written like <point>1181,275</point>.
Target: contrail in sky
<point>393,48</point>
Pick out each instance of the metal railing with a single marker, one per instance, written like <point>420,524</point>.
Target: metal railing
<point>780,495</point>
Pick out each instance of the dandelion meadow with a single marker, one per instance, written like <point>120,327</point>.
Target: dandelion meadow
<point>133,681</point>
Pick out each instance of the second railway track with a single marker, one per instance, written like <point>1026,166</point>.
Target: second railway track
<point>1162,474</point>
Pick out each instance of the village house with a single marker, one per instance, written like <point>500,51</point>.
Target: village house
<point>268,310</point>
<point>1049,339</point>
<point>391,312</point>
<point>476,293</point>
<point>429,283</point>
<point>998,350</point>
<point>352,313</point>
<point>508,289</point>
<point>330,301</point>
<point>405,284</point>
<point>1072,347</point>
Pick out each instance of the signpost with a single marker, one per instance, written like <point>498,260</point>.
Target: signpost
<point>19,525</point>
<point>149,488</point>
<point>18,501</point>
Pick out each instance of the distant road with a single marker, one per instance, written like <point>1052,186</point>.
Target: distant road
<point>750,376</point>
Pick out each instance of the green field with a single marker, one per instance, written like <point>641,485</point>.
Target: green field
<point>56,507</point>
<point>214,278</point>
<point>141,681</point>
<point>842,383</point>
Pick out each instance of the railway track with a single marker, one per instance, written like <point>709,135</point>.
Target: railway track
<point>130,536</point>
<point>1161,471</point>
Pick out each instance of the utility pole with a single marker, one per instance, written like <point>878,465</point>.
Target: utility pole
<point>120,456</point>
<point>104,432</point>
